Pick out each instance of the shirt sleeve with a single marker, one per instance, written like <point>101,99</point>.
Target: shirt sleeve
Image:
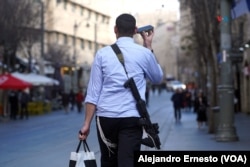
<point>95,81</point>
<point>153,70</point>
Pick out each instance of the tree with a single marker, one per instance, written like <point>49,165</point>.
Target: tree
<point>206,43</point>
<point>56,52</point>
<point>18,21</point>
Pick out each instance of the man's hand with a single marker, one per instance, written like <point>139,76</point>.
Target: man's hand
<point>147,39</point>
<point>83,133</point>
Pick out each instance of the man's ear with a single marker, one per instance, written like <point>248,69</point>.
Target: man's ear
<point>135,30</point>
<point>115,30</point>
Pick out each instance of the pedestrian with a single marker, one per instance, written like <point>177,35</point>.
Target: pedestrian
<point>201,106</point>
<point>177,99</point>
<point>187,100</point>
<point>13,101</point>
<point>79,100</point>
<point>195,95</point>
<point>72,99</point>
<point>65,102</point>
<point>24,100</point>
<point>118,129</point>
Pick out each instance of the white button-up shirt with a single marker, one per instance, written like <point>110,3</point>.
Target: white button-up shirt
<point>107,77</point>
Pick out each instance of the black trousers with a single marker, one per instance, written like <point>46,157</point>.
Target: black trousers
<point>79,106</point>
<point>24,111</point>
<point>177,113</point>
<point>127,134</point>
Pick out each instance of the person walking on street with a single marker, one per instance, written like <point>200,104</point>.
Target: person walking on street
<point>72,99</point>
<point>13,100</point>
<point>118,129</point>
<point>201,106</point>
<point>79,100</point>
<point>24,100</point>
<point>65,102</point>
<point>187,100</point>
<point>177,99</point>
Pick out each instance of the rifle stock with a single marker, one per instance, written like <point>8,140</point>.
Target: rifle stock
<point>152,129</point>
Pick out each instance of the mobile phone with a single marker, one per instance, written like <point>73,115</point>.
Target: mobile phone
<point>145,28</point>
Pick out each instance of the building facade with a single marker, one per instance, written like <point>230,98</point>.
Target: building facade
<point>241,44</point>
<point>74,30</point>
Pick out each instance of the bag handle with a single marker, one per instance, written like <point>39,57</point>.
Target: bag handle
<point>85,146</point>
<point>78,147</point>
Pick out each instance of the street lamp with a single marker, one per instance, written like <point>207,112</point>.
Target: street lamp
<point>95,36</point>
<point>76,26</point>
<point>74,73</point>
<point>42,36</point>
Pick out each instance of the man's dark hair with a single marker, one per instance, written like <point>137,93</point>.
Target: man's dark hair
<point>125,24</point>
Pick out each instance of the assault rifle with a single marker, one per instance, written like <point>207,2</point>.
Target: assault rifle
<point>152,129</point>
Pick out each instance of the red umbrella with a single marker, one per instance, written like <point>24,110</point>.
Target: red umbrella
<point>8,81</point>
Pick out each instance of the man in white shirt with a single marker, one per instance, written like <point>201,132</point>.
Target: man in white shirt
<point>119,132</point>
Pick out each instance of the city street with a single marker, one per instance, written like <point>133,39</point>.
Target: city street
<point>47,140</point>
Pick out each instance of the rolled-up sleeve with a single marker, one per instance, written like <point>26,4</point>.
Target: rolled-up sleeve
<point>153,70</point>
<point>95,82</point>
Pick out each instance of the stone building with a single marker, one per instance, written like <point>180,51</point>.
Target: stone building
<point>241,44</point>
<point>74,29</point>
<point>82,26</point>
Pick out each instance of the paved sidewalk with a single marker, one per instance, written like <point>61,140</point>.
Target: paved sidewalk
<point>186,136</point>
<point>59,130</point>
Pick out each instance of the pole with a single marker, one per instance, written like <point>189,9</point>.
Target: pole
<point>95,37</point>
<point>42,38</point>
<point>74,75</point>
<point>226,130</point>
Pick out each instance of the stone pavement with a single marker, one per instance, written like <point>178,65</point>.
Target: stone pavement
<point>60,130</point>
<point>187,137</point>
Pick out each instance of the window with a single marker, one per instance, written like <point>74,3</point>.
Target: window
<point>81,11</point>
<point>82,43</point>
<point>65,5</point>
<point>74,40</point>
<point>57,37</point>
<point>65,39</point>
<point>96,17</point>
<point>103,19</point>
<point>90,45</point>
<point>89,14</point>
<point>73,7</point>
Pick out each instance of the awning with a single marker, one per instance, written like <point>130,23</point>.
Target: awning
<point>36,79</point>
<point>8,81</point>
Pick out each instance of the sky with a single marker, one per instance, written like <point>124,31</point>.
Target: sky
<point>115,7</point>
<point>141,6</point>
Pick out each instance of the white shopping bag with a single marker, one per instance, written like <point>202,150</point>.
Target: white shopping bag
<point>85,158</point>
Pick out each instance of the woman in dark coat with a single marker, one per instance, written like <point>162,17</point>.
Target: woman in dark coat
<point>201,106</point>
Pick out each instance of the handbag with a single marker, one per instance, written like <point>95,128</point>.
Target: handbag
<point>84,158</point>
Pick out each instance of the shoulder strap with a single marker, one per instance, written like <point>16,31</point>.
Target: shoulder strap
<point>119,55</point>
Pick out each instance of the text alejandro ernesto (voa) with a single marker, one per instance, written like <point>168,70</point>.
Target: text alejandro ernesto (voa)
<point>192,159</point>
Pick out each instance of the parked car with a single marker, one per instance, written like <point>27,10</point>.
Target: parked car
<point>173,85</point>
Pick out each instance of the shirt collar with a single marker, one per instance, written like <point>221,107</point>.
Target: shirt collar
<point>125,39</point>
